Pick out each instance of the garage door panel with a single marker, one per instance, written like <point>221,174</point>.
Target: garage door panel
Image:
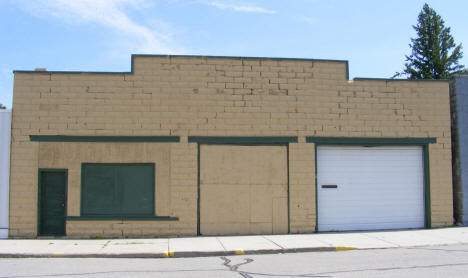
<point>385,177</point>
<point>377,196</point>
<point>238,188</point>
<point>377,188</point>
<point>368,151</point>
<point>369,226</point>
<point>371,220</point>
<point>376,214</point>
<point>354,205</point>
<point>368,188</point>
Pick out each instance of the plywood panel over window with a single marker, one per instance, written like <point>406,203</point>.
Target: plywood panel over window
<point>117,189</point>
<point>243,189</point>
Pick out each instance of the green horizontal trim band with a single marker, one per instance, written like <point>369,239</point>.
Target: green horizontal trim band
<point>370,141</point>
<point>241,140</point>
<point>398,80</point>
<point>149,218</point>
<point>70,72</point>
<point>66,138</point>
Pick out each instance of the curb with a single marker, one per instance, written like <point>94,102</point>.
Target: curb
<point>183,254</point>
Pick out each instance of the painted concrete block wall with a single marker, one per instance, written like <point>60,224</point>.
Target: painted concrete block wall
<point>302,188</point>
<point>71,155</point>
<point>213,96</point>
<point>5,134</point>
<point>459,98</point>
<point>180,201</point>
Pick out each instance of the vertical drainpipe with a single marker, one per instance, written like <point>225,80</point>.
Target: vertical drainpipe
<point>459,112</point>
<point>5,135</point>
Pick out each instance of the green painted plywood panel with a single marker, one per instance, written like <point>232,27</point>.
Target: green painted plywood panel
<point>136,183</point>
<point>117,189</point>
<point>99,191</point>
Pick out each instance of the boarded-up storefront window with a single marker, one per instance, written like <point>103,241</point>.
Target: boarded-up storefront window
<point>117,189</point>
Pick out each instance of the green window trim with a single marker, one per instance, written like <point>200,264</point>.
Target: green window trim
<point>122,218</point>
<point>123,139</point>
<point>427,187</point>
<point>119,202</point>
<point>385,141</point>
<point>269,140</point>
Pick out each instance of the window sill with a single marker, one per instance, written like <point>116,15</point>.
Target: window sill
<point>122,218</point>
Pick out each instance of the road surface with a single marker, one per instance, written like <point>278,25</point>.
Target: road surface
<point>436,261</point>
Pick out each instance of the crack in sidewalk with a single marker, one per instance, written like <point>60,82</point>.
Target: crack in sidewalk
<point>105,244</point>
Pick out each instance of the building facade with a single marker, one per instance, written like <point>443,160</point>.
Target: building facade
<point>5,135</point>
<point>192,145</point>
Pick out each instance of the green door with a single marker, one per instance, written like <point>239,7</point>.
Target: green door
<point>52,202</point>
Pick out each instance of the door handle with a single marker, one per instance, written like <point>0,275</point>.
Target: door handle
<point>329,186</point>
<point>63,205</point>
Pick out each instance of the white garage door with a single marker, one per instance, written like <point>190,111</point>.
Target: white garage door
<point>370,188</point>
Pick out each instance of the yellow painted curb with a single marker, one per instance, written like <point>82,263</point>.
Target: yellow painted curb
<point>240,251</point>
<point>58,254</point>
<point>168,254</point>
<point>344,248</point>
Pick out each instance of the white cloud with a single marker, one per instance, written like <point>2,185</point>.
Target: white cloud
<point>306,19</point>
<point>112,14</point>
<point>248,8</point>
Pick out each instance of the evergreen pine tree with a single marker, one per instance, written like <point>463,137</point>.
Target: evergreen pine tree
<point>434,54</point>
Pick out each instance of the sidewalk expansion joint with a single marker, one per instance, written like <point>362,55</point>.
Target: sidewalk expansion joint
<point>282,248</point>
<point>221,243</point>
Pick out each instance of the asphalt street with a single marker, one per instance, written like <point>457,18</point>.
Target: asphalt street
<point>433,261</point>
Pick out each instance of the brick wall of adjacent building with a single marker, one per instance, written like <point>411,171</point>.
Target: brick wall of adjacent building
<point>209,96</point>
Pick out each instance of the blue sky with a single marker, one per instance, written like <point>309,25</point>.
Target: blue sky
<point>100,35</point>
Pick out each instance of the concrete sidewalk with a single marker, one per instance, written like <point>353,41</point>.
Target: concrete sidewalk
<point>229,245</point>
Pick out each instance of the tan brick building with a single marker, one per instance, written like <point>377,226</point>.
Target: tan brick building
<point>189,145</point>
